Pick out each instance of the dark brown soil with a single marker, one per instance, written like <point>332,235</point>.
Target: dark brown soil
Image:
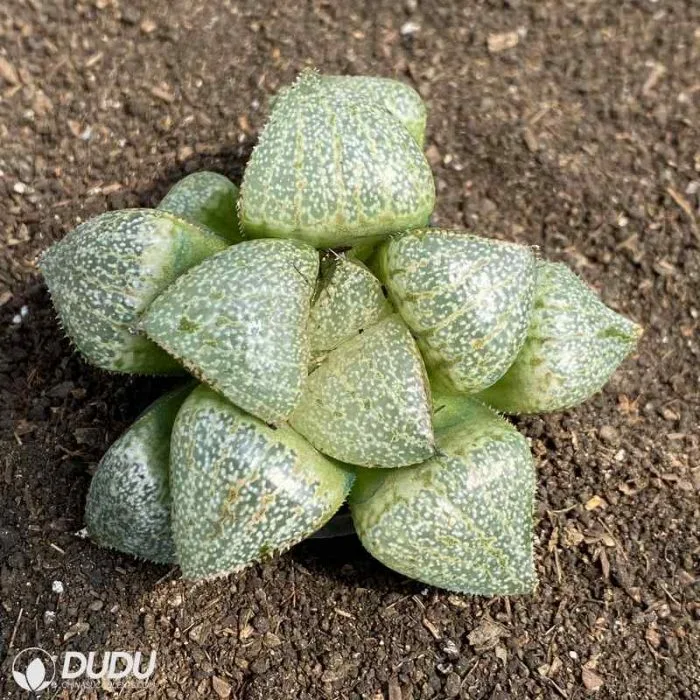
<point>582,139</point>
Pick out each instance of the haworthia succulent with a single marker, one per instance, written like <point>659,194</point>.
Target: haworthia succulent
<point>242,490</point>
<point>106,272</point>
<point>128,503</point>
<point>238,323</point>
<point>575,342</point>
<point>401,100</point>
<point>206,198</point>
<point>467,299</point>
<point>348,299</point>
<point>332,171</point>
<point>461,520</point>
<point>368,403</point>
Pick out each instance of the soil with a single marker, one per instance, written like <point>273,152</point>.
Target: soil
<point>568,125</point>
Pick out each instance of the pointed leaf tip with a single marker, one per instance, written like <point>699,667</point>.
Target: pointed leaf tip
<point>574,344</point>
<point>238,323</point>
<point>128,503</point>
<point>460,521</point>
<point>333,171</point>
<point>242,490</point>
<point>368,403</point>
<point>467,300</point>
<point>106,272</point>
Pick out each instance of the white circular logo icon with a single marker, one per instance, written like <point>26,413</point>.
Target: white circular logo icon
<point>33,670</point>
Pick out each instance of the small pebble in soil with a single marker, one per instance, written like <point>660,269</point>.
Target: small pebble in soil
<point>608,434</point>
<point>221,687</point>
<point>260,666</point>
<point>23,313</point>
<point>409,29</point>
<point>450,649</point>
<point>453,685</point>
<point>49,618</point>
<point>57,587</point>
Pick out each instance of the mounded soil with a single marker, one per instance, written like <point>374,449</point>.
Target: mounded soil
<point>568,125</point>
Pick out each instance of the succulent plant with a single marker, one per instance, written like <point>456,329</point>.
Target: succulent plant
<point>348,298</point>
<point>208,199</point>
<point>333,171</point>
<point>238,322</point>
<point>104,274</point>
<point>461,520</point>
<point>467,300</point>
<point>315,372</point>
<point>368,403</point>
<point>401,100</point>
<point>574,343</point>
<point>128,505</point>
<point>242,490</point>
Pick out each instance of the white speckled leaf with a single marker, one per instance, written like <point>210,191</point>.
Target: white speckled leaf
<point>348,299</point>
<point>208,199</point>
<point>106,272</point>
<point>241,490</point>
<point>463,519</point>
<point>128,504</point>
<point>332,171</point>
<point>368,403</point>
<point>238,322</point>
<point>401,100</point>
<point>575,342</point>
<point>467,299</point>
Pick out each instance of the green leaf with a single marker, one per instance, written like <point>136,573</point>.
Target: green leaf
<point>461,520</point>
<point>106,272</point>
<point>466,299</point>
<point>333,171</point>
<point>241,490</point>
<point>401,100</point>
<point>208,199</point>
<point>575,342</point>
<point>128,503</point>
<point>368,403</point>
<point>348,299</point>
<point>238,323</point>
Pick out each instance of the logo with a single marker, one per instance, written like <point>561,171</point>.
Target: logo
<point>33,669</point>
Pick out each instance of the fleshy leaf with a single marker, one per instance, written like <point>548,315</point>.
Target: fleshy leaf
<point>401,100</point>
<point>238,322</point>
<point>128,504</point>
<point>208,199</point>
<point>333,171</point>
<point>396,97</point>
<point>106,272</point>
<point>241,490</point>
<point>575,342</point>
<point>368,403</point>
<point>467,299</point>
<point>461,520</point>
<point>348,299</point>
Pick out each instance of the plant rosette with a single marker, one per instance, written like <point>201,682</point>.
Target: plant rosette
<point>325,379</point>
